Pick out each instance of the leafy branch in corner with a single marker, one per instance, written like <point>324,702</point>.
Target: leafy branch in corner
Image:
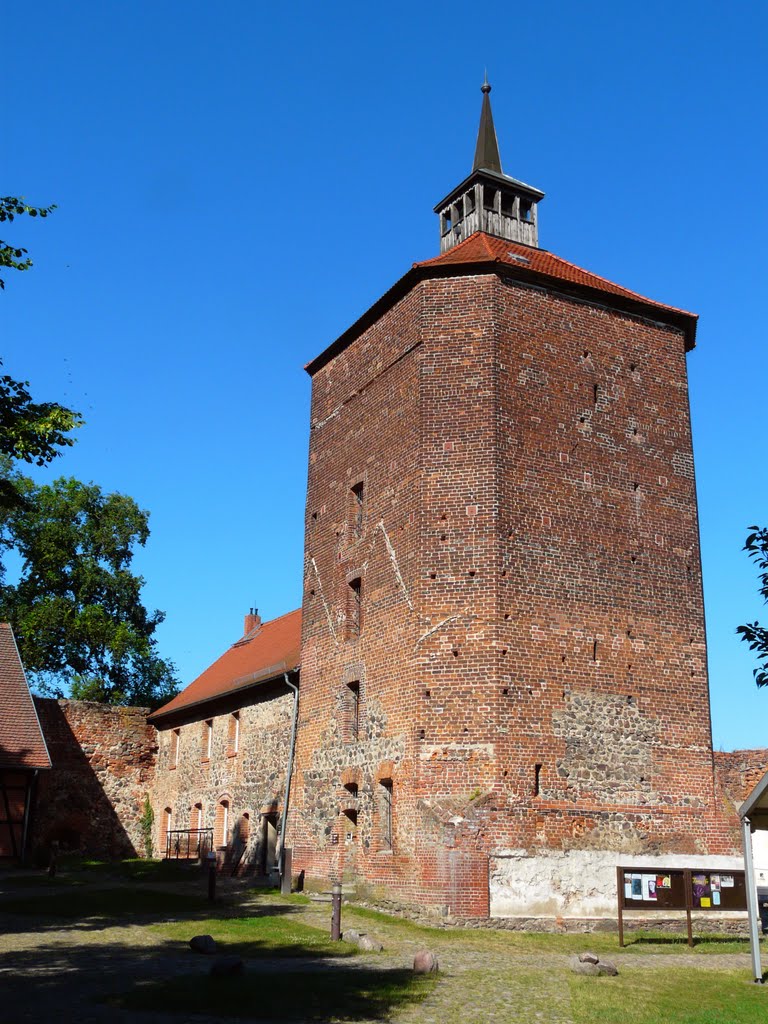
<point>753,633</point>
<point>11,256</point>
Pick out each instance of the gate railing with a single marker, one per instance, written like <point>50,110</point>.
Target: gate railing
<point>188,843</point>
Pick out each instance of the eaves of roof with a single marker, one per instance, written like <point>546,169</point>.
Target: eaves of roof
<point>484,254</point>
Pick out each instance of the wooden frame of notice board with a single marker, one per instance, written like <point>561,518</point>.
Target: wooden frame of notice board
<point>678,889</point>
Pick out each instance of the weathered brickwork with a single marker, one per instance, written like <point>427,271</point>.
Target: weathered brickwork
<point>244,768</point>
<point>528,623</point>
<point>103,761</point>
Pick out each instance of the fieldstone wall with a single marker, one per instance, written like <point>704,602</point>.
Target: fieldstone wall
<point>103,763</point>
<point>248,776</point>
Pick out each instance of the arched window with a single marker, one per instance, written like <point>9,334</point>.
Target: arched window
<point>221,829</point>
<point>167,825</point>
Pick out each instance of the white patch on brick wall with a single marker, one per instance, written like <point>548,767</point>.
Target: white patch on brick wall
<point>577,883</point>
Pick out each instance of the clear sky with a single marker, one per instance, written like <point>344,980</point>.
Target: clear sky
<point>236,182</point>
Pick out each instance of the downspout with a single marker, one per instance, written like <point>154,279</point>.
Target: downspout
<point>289,774</point>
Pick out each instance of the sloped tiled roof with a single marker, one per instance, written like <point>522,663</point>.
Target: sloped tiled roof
<point>482,248</point>
<point>265,653</point>
<point>22,744</point>
<point>481,253</point>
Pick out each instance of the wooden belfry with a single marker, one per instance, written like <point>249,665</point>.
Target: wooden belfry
<point>489,200</point>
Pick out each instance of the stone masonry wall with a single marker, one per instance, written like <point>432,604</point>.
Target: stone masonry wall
<point>251,780</point>
<point>531,645</point>
<point>103,761</point>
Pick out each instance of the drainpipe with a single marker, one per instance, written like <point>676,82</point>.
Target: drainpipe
<point>29,797</point>
<point>289,774</point>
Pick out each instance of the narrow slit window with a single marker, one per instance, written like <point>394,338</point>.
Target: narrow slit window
<point>537,779</point>
<point>206,740</point>
<point>386,814</point>
<point>355,609</point>
<point>234,732</point>
<point>526,210</point>
<point>489,198</point>
<point>357,494</point>
<point>353,711</point>
<point>175,736</point>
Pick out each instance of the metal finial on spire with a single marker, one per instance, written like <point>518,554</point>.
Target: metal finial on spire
<point>485,87</point>
<point>487,149</point>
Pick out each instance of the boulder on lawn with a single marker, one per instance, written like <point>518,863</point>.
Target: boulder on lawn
<point>608,967</point>
<point>589,958</point>
<point>226,966</point>
<point>583,967</point>
<point>425,962</point>
<point>350,935</point>
<point>203,944</point>
<point>369,945</point>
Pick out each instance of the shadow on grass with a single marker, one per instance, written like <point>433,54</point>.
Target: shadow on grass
<point>682,941</point>
<point>63,980</point>
<point>336,992</point>
<point>89,909</point>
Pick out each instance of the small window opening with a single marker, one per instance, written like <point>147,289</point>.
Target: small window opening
<point>222,824</point>
<point>351,813</point>
<point>594,650</point>
<point>595,393</point>
<point>351,788</point>
<point>352,712</point>
<point>526,210</point>
<point>357,494</point>
<point>508,204</point>
<point>354,612</point>
<point>447,225</point>
<point>386,813</point>
<point>175,736</point>
<point>537,780</point>
<point>234,732</point>
<point>489,198</point>
<point>206,740</point>
<point>458,212</point>
<point>469,199</point>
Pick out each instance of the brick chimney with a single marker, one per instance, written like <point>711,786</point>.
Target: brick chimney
<point>252,621</point>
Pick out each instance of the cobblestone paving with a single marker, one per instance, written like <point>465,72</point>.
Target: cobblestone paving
<point>59,973</point>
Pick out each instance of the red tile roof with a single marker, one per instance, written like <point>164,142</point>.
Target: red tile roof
<point>264,654</point>
<point>525,263</point>
<point>482,248</point>
<point>22,744</point>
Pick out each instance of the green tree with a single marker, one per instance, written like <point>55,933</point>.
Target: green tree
<point>753,633</point>
<point>76,609</point>
<point>11,256</point>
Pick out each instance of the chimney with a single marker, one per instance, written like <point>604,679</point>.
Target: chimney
<point>252,621</point>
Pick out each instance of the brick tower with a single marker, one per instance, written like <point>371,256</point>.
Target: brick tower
<point>503,672</point>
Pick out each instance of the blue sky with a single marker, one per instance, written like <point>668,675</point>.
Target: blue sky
<point>237,182</point>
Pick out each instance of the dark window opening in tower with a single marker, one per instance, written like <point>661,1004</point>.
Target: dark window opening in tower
<point>354,613</point>
<point>526,210</point>
<point>489,198</point>
<point>507,204</point>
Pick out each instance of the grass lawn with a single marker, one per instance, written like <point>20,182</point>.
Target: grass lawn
<point>678,996</point>
<point>330,994</point>
<point>278,935</point>
<point>607,943</point>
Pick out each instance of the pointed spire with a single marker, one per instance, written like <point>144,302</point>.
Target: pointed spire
<point>487,149</point>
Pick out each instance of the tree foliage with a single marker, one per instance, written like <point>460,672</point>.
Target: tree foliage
<point>753,633</point>
<point>11,256</point>
<point>76,609</point>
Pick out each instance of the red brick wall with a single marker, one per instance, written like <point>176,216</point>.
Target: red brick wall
<point>531,592</point>
<point>103,763</point>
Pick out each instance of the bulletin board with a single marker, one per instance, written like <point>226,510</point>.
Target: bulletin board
<point>679,889</point>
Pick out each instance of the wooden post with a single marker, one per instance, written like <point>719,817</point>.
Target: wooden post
<point>620,892</point>
<point>688,903</point>
<point>336,912</point>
